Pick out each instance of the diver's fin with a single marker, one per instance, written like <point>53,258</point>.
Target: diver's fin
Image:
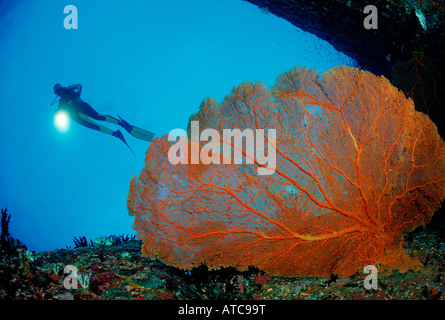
<point>118,134</point>
<point>136,131</point>
<point>142,134</point>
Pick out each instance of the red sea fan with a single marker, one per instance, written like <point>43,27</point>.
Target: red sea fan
<point>356,168</point>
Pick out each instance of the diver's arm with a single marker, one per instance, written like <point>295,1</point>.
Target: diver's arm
<point>76,86</point>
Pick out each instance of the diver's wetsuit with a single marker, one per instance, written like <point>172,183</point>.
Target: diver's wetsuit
<point>83,113</point>
<point>80,111</point>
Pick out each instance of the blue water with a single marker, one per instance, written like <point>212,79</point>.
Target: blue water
<point>152,62</point>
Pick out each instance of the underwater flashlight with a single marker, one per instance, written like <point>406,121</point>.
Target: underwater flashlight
<point>62,121</point>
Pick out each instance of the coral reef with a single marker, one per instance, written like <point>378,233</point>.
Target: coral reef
<point>8,245</point>
<point>82,241</point>
<point>119,272</point>
<point>5,240</point>
<point>357,168</point>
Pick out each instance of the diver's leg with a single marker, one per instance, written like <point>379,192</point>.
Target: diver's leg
<point>87,110</point>
<point>107,118</point>
<point>87,122</point>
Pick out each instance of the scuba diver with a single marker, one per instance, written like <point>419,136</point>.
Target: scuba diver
<point>83,113</point>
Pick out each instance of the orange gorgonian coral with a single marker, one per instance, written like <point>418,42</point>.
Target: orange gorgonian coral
<point>356,168</point>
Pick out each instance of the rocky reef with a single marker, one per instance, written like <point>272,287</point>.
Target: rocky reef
<point>408,47</point>
<point>118,272</point>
